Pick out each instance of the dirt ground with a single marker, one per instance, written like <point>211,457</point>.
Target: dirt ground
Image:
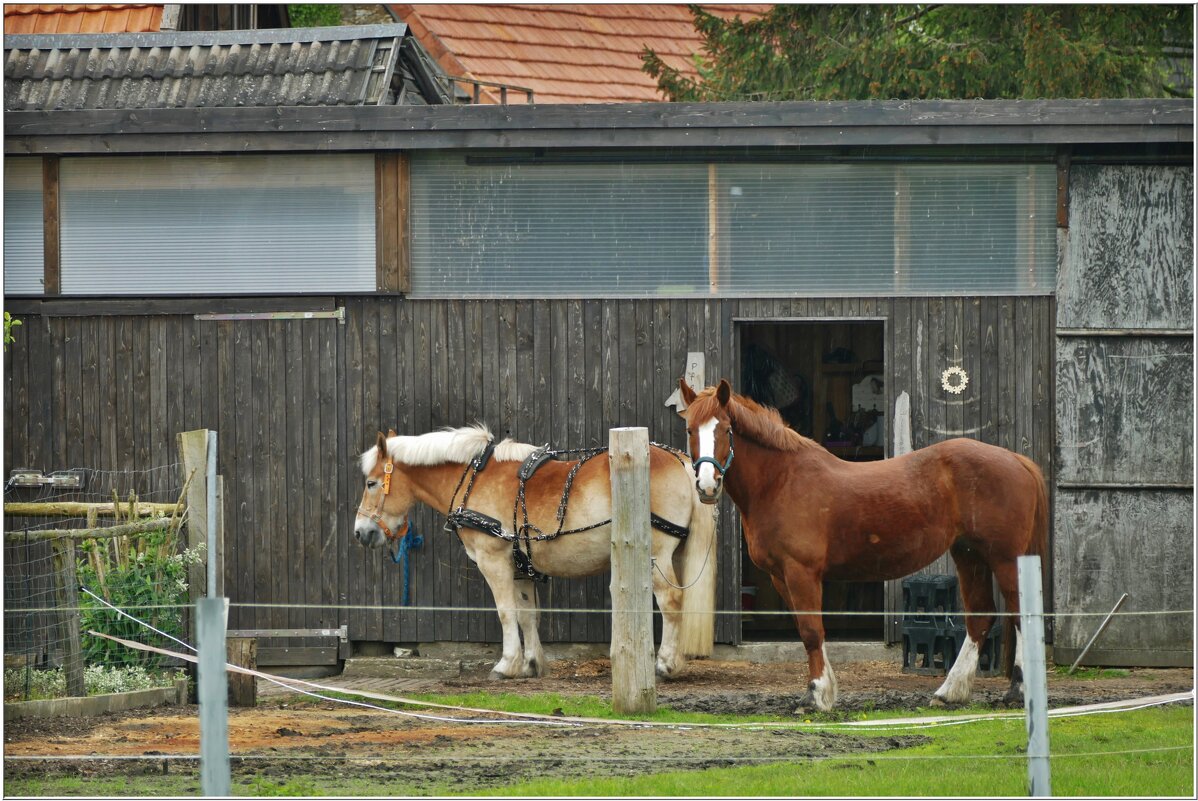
<point>288,736</point>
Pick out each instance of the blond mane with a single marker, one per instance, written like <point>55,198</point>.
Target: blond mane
<point>449,445</point>
<point>762,424</point>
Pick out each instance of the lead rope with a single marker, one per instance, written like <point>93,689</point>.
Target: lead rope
<point>400,556</point>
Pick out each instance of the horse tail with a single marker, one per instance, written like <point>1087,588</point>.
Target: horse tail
<point>1037,546</point>
<point>697,573</point>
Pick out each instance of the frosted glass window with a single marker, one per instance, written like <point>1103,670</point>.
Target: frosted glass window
<point>23,237</point>
<point>553,230</point>
<point>894,228</point>
<point>492,227</point>
<point>249,224</point>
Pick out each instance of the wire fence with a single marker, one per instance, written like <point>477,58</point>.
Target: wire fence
<point>46,615</point>
<point>685,758</point>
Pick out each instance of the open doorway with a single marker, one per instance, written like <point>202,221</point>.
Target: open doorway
<point>827,378</point>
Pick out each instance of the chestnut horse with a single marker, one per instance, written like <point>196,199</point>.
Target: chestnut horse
<point>455,468</point>
<point>809,516</point>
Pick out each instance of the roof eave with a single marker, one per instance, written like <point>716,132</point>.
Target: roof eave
<point>980,122</point>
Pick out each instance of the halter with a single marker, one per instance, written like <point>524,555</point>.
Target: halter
<point>720,468</point>
<point>376,516</point>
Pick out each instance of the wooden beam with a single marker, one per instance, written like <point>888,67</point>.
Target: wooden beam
<point>403,193</point>
<point>1063,161</point>
<point>140,527</point>
<point>386,247</point>
<point>51,236</point>
<point>78,509</point>
<point>132,141</point>
<point>1019,116</point>
<point>140,307</point>
<point>713,228</point>
<point>280,657</point>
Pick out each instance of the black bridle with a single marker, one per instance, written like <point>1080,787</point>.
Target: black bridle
<point>720,468</point>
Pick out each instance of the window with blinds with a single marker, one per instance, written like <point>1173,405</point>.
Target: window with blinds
<point>553,230</point>
<point>23,238</point>
<point>505,228</point>
<point>237,225</point>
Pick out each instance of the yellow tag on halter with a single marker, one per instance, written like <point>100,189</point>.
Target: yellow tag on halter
<point>388,468</point>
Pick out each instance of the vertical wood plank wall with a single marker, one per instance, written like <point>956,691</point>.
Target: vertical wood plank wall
<point>295,402</point>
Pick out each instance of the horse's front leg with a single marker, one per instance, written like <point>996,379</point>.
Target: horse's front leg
<point>803,590</point>
<point>529,617</point>
<point>671,662</point>
<point>496,567</point>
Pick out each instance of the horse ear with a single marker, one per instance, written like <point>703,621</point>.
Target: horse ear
<point>382,445</point>
<point>688,394</point>
<point>391,433</point>
<point>723,392</point>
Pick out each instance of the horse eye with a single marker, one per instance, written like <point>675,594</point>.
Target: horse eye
<point>371,484</point>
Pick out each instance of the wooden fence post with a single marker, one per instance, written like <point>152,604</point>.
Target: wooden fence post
<point>67,593</point>
<point>243,688</point>
<point>633,683</point>
<point>193,452</point>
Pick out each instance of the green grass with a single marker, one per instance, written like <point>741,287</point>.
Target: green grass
<point>1092,673</point>
<point>982,758</point>
<point>973,759</point>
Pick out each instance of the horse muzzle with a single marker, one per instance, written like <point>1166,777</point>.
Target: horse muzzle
<point>712,497</point>
<point>368,534</point>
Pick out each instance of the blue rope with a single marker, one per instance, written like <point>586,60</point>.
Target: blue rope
<point>409,540</point>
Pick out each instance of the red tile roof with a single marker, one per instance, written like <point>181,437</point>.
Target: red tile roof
<point>565,53</point>
<point>91,18</point>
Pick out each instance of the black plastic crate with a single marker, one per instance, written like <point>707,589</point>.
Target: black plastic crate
<point>925,647</point>
<point>931,650</point>
<point>930,599</point>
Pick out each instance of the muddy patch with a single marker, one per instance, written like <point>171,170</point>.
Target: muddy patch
<point>285,738</point>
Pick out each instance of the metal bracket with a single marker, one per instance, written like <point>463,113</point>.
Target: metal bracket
<point>28,477</point>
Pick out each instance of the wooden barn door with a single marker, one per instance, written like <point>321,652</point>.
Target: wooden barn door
<point>1123,518</point>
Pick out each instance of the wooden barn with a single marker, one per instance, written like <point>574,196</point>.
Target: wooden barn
<point>298,252</point>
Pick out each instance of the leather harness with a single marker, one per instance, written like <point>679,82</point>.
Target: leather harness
<point>523,530</point>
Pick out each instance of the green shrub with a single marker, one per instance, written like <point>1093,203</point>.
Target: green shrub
<point>143,576</point>
<point>97,680</point>
<point>10,323</point>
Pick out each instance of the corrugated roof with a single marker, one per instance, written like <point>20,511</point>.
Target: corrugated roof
<point>90,18</point>
<point>564,53</point>
<point>337,66</point>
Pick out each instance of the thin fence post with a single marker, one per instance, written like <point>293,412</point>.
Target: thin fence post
<point>215,779</point>
<point>193,447</point>
<point>633,684</point>
<point>66,589</point>
<point>1035,675</point>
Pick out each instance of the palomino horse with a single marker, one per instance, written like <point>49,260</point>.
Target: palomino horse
<point>809,516</point>
<point>560,527</point>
